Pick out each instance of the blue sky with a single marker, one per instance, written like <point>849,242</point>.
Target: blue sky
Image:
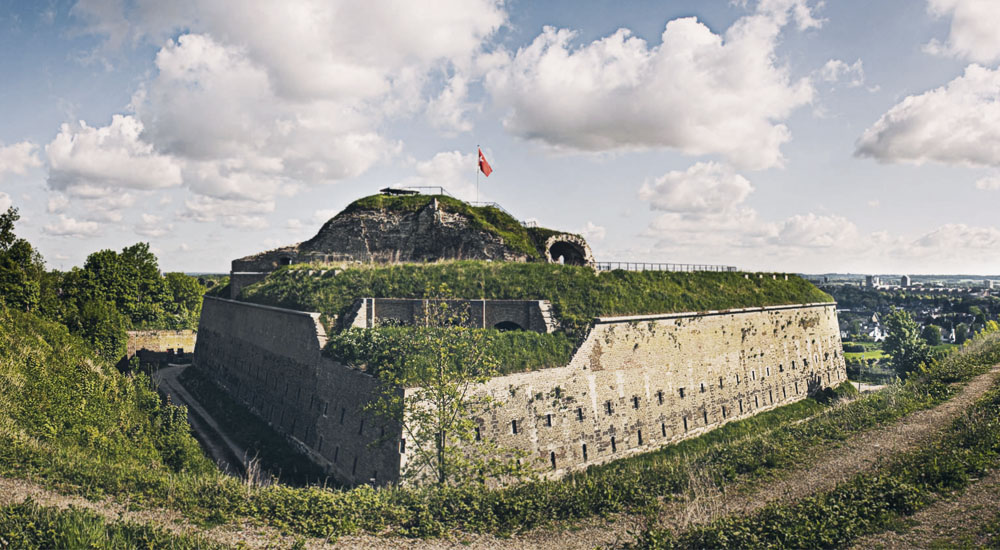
<point>787,135</point>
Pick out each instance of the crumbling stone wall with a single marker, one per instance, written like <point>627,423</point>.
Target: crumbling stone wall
<point>635,383</point>
<point>160,341</point>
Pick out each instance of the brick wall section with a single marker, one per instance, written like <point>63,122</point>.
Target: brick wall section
<point>528,314</point>
<point>627,377</point>
<point>160,341</point>
<point>269,359</point>
<point>623,383</point>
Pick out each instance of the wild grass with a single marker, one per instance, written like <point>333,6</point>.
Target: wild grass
<point>578,294</point>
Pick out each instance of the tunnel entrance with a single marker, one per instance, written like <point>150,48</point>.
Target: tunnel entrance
<point>507,325</point>
<point>564,252</point>
<point>284,260</point>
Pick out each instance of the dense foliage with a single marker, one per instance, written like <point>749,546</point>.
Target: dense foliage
<point>27,526</point>
<point>21,267</point>
<point>907,350</point>
<point>578,294</point>
<point>393,348</point>
<point>55,394</point>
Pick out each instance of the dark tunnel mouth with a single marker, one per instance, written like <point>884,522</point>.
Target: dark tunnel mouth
<point>571,253</point>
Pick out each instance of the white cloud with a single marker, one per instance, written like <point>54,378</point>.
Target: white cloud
<point>705,187</point>
<point>17,158</point>
<point>57,203</point>
<point>989,183</point>
<point>70,227</point>
<point>448,111</point>
<point>294,224</point>
<point>238,214</point>
<point>324,214</point>
<point>153,226</point>
<point>594,232</point>
<point>698,92</point>
<point>107,158</point>
<point>5,202</point>
<point>958,123</point>
<point>813,231</point>
<point>836,70</point>
<point>973,34</point>
<point>452,170</point>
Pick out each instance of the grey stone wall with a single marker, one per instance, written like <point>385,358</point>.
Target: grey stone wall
<point>270,360</point>
<point>533,315</point>
<point>635,383</point>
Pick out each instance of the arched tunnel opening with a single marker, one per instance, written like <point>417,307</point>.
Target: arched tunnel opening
<point>508,325</point>
<point>563,252</point>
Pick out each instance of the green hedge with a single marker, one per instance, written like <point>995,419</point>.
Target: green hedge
<point>517,351</point>
<point>578,294</point>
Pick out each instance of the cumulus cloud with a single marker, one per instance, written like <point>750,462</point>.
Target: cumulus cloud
<point>5,202</point>
<point>836,70</point>
<point>17,158</point>
<point>153,226</point>
<point>237,214</point>
<point>95,160</point>
<point>814,231</point>
<point>253,104</point>
<point>705,187</point>
<point>594,232</point>
<point>70,227</point>
<point>973,34</point>
<point>452,170</point>
<point>989,183</point>
<point>697,92</point>
<point>958,123</point>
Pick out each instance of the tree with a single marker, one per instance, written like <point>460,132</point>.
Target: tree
<point>185,299</point>
<point>21,267</point>
<point>932,335</point>
<point>428,391</point>
<point>907,351</point>
<point>961,333</point>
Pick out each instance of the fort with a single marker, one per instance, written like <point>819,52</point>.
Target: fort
<point>659,357</point>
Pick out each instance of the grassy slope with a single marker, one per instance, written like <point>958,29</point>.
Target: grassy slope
<point>578,294</point>
<point>56,395</point>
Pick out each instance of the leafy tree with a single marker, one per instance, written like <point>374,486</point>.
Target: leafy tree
<point>104,327</point>
<point>907,350</point>
<point>961,333</point>
<point>439,369</point>
<point>21,267</point>
<point>185,299</point>
<point>932,335</point>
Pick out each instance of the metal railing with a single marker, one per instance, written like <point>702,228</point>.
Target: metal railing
<point>646,266</point>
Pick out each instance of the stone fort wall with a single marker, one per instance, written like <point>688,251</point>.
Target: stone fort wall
<point>533,315</point>
<point>635,383</point>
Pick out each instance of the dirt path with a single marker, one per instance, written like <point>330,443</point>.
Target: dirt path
<point>970,519</point>
<point>830,467</point>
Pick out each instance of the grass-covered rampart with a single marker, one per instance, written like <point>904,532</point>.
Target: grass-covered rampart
<point>514,351</point>
<point>578,294</point>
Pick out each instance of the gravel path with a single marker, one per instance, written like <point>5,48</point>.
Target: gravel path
<point>829,467</point>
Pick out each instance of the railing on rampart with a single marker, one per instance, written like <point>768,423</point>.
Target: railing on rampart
<point>646,266</point>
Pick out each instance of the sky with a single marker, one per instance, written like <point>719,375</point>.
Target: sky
<point>773,135</point>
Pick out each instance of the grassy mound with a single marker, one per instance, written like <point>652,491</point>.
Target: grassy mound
<point>578,294</point>
<point>529,241</point>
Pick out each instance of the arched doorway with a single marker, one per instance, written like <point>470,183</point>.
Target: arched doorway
<point>564,252</point>
<point>507,325</point>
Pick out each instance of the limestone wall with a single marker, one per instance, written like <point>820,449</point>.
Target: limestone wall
<point>637,383</point>
<point>269,359</point>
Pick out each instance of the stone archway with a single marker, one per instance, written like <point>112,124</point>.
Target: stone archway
<point>568,249</point>
<point>507,325</point>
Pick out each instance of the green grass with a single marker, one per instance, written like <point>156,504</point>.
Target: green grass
<point>874,354</point>
<point>517,351</point>
<point>27,526</point>
<point>578,294</point>
<point>869,502</point>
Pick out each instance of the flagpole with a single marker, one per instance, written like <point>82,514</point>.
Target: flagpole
<point>477,173</point>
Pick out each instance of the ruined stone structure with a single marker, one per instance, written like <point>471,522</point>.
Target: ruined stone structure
<point>157,346</point>
<point>634,384</point>
<point>533,315</point>
<point>441,229</point>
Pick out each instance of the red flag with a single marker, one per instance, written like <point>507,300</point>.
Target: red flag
<point>483,165</point>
